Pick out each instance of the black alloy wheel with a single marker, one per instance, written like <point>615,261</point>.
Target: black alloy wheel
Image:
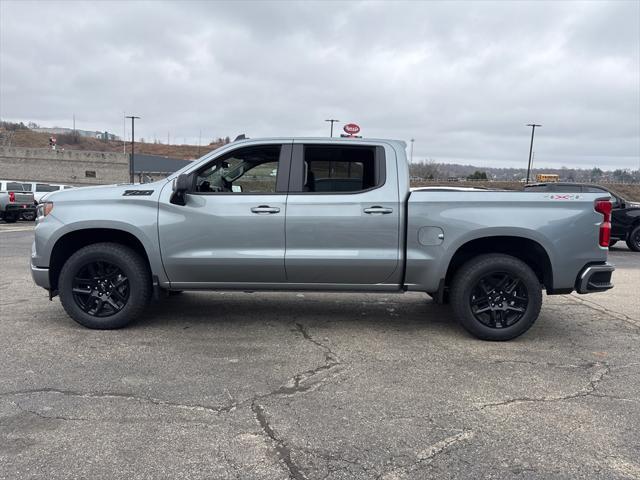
<point>499,300</point>
<point>100,289</point>
<point>105,285</point>
<point>496,296</point>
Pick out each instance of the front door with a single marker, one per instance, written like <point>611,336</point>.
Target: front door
<point>343,214</point>
<point>232,228</point>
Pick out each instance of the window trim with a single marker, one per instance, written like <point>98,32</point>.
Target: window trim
<point>282,176</point>
<point>296,176</point>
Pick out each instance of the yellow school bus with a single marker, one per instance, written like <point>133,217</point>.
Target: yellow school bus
<point>547,177</point>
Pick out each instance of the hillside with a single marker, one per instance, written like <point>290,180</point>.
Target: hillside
<point>24,137</point>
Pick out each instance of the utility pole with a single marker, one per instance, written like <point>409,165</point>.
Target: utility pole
<point>133,139</point>
<point>411,154</point>
<point>199,141</point>
<point>332,121</point>
<point>533,131</point>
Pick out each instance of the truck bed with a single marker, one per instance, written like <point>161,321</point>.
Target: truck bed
<point>440,223</point>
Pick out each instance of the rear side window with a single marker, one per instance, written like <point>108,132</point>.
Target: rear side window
<point>43,187</point>
<point>329,168</point>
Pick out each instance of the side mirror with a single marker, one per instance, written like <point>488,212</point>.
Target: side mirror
<point>181,185</point>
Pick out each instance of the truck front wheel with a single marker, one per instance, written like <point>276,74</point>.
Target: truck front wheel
<point>496,297</point>
<point>104,286</point>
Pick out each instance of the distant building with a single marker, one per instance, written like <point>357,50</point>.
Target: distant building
<point>148,168</point>
<point>82,133</point>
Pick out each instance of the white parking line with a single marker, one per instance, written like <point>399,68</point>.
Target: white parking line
<point>5,229</point>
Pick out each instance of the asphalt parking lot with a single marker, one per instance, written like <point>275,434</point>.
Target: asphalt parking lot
<point>316,386</point>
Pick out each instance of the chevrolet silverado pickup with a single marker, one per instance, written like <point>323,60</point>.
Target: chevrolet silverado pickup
<point>324,215</point>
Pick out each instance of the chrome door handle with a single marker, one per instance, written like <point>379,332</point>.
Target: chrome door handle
<point>377,210</point>
<point>262,209</point>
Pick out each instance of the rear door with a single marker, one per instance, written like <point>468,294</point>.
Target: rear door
<point>343,213</point>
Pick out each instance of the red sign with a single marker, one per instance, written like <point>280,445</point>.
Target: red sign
<point>351,128</point>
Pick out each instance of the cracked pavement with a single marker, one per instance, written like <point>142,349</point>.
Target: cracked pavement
<point>317,386</point>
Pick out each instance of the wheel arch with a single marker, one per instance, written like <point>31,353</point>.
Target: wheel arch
<point>529,251</point>
<point>71,242</point>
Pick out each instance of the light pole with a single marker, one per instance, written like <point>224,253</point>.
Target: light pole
<point>533,131</point>
<point>131,159</point>
<point>411,154</point>
<point>332,121</point>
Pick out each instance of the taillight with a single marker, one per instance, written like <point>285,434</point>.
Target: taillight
<point>604,207</point>
<point>12,197</point>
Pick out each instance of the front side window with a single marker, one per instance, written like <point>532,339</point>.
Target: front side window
<point>246,170</point>
<point>339,168</point>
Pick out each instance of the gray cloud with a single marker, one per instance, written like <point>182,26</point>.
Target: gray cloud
<point>462,78</point>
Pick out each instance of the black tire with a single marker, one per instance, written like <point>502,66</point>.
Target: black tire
<point>476,287</point>
<point>29,217</point>
<point>10,219</point>
<point>117,304</point>
<point>633,240</point>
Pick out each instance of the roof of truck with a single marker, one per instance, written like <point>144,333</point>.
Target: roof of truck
<point>324,139</point>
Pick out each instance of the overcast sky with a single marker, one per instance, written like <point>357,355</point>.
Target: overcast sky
<point>462,78</point>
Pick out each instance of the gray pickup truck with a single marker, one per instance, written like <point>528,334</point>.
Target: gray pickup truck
<point>16,202</point>
<point>318,214</point>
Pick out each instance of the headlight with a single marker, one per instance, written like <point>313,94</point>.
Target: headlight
<point>45,209</point>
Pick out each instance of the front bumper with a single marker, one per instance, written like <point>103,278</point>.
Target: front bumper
<point>40,276</point>
<point>595,278</point>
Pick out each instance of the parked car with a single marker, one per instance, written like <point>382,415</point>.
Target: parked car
<point>15,202</point>
<point>338,216</point>
<point>40,189</point>
<point>625,216</point>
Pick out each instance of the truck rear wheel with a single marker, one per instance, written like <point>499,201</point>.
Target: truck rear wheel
<point>104,286</point>
<point>496,297</point>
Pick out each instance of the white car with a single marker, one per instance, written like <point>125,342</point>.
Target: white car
<point>40,189</point>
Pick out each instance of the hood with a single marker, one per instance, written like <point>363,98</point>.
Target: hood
<point>101,192</point>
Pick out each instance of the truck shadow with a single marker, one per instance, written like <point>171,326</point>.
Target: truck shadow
<point>410,311</point>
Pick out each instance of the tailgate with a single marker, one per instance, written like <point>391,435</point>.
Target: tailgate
<point>22,197</point>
